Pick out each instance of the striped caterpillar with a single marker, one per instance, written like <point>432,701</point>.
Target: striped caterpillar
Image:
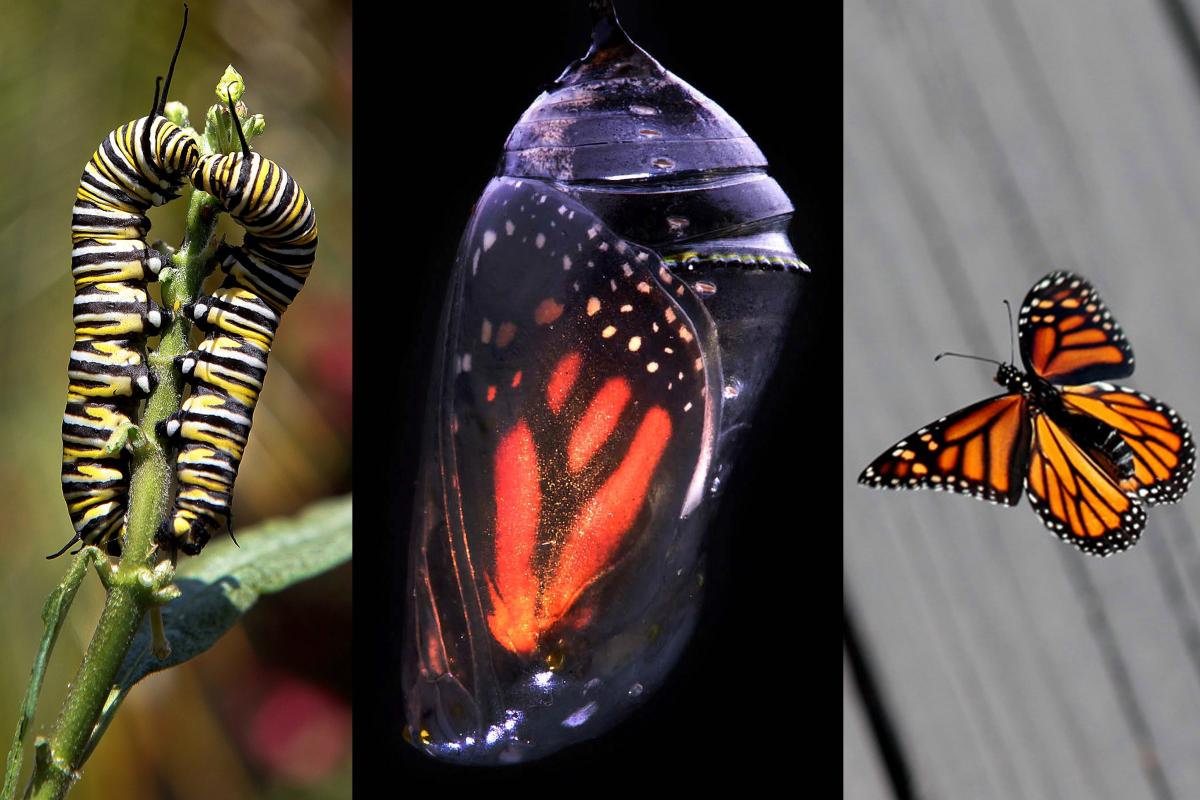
<point>262,277</point>
<point>142,163</point>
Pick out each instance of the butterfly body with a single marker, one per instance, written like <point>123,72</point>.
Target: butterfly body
<point>1089,454</point>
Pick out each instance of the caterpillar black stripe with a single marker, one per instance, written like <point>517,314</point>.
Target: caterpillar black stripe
<point>142,163</point>
<point>262,277</point>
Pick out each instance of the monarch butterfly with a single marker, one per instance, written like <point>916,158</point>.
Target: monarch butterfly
<point>141,164</point>
<point>1090,455</point>
<point>614,311</point>
<point>226,372</point>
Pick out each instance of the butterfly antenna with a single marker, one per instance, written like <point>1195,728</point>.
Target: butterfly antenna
<point>1012,336</point>
<point>939,357</point>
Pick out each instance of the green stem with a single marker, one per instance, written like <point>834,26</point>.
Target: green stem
<point>131,592</point>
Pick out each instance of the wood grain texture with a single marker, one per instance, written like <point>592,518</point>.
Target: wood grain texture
<point>987,144</point>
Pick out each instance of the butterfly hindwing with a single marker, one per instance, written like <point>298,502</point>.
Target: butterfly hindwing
<point>1068,335</point>
<point>1075,497</point>
<point>980,451</point>
<point>1164,454</point>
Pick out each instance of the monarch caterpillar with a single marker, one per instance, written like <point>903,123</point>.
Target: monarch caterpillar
<point>262,277</point>
<point>140,164</point>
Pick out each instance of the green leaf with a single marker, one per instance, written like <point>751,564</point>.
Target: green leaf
<point>54,612</point>
<point>226,580</point>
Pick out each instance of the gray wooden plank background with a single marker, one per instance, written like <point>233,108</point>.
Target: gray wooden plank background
<point>986,143</point>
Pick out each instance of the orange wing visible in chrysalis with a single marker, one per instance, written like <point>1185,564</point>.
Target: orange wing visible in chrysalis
<point>980,451</point>
<point>1068,335</point>
<point>514,587</point>
<point>1075,497</point>
<point>1164,455</point>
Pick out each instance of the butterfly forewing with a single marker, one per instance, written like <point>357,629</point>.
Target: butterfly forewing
<point>979,451</point>
<point>1164,454</point>
<point>1068,335</point>
<point>576,424</point>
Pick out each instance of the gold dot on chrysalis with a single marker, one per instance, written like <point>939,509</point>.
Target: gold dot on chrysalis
<point>608,332</point>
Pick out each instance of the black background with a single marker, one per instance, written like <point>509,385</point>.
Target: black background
<point>436,95</point>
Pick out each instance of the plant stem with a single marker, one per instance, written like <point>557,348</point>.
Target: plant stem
<point>131,592</point>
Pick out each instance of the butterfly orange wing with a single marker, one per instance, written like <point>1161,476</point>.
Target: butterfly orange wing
<point>1164,454</point>
<point>980,451</point>
<point>1077,499</point>
<point>1068,335</point>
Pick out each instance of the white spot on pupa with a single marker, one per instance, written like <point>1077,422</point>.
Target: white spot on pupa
<point>625,309</point>
<point>593,306</point>
<point>688,407</point>
<point>643,287</point>
<point>580,716</point>
<point>592,231</point>
<point>489,239</point>
<point>509,227</point>
<point>540,241</point>
<point>602,247</point>
<point>566,262</point>
<point>628,270</point>
<point>642,256</point>
<point>466,362</point>
<point>652,366</point>
<point>608,332</point>
<point>635,344</point>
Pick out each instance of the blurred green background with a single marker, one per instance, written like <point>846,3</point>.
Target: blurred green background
<point>265,713</point>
